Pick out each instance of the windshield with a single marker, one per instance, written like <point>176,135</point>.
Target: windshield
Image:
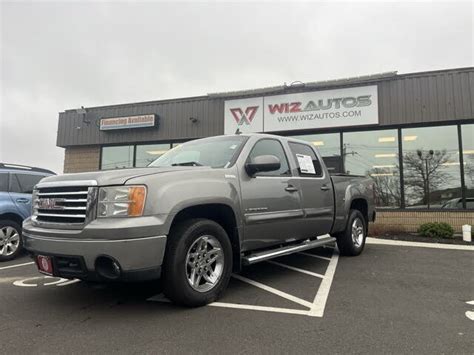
<point>215,152</point>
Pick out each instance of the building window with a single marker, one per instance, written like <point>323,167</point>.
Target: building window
<point>467,132</point>
<point>147,153</point>
<point>329,146</point>
<point>117,157</point>
<point>375,154</point>
<point>431,167</point>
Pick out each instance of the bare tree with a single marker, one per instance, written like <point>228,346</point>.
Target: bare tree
<point>387,189</point>
<point>424,173</point>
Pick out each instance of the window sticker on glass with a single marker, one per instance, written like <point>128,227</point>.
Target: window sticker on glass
<point>306,164</point>
<point>233,146</point>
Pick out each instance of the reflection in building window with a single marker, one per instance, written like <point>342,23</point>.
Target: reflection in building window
<point>375,154</point>
<point>150,152</point>
<point>329,145</point>
<point>467,132</point>
<point>431,167</point>
<point>117,157</point>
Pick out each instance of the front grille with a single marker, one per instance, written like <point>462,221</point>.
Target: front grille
<point>62,205</point>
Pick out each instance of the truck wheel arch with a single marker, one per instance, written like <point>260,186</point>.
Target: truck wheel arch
<point>360,204</point>
<point>12,217</point>
<point>222,214</point>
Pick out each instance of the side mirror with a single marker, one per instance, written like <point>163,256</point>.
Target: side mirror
<point>262,163</point>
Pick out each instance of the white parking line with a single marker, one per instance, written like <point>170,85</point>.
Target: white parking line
<point>17,265</point>
<point>319,303</point>
<point>69,282</point>
<point>296,269</point>
<point>274,291</point>
<point>418,244</point>
<point>55,282</point>
<point>315,256</point>
<point>315,309</point>
<point>259,308</point>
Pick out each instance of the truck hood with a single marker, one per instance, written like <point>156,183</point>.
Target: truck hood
<point>118,176</point>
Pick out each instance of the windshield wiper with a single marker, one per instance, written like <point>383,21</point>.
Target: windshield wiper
<point>188,163</point>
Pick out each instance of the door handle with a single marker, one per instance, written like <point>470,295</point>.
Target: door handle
<point>22,200</point>
<point>291,188</point>
<point>325,187</point>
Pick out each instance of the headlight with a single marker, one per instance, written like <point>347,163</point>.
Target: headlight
<point>121,201</point>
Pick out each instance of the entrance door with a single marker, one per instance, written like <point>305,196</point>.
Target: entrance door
<point>270,200</point>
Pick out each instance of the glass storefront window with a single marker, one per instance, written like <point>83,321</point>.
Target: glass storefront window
<point>148,153</point>
<point>375,154</point>
<point>467,132</point>
<point>117,157</point>
<point>329,145</point>
<point>431,167</point>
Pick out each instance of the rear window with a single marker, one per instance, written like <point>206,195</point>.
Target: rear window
<point>306,159</point>
<point>24,183</point>
<point>3,182</point>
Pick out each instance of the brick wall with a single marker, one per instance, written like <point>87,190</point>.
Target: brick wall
<point>409,221</point>
<point>81,159</point>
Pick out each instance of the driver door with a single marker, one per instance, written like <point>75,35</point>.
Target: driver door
<point>270,200</point>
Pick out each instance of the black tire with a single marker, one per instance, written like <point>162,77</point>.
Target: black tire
<point>345,241</point>
<point>175,273</point>
<point>4,224</point>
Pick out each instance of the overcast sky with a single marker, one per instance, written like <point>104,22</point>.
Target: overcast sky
<point>57,56</point>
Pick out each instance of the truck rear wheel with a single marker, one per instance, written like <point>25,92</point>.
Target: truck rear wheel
<point>11,243</point>
<point>198,262</point>
<point>351,242</point>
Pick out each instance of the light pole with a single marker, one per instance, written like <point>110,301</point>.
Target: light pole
<point>426,158</point>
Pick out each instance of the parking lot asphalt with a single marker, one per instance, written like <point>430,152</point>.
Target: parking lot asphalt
<point>390,299</point>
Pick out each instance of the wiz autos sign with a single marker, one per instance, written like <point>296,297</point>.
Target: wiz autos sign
<point>309,110</point>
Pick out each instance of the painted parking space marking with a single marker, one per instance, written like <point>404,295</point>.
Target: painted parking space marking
<point>319,303</point>
<point>273,290</point>
<point>470,314</point>
<point>70,282</point>
<point>315,256</point>
<point>418,244</point>
<point>39,281</point>
<point>259,308</point>
<point>17,265</point>
<point>314,309</point>
<point>310,273</point>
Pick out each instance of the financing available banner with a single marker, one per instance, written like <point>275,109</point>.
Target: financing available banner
<point>309,110</point>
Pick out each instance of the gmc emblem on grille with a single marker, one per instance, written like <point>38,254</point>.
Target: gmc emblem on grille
<point>50,204</point>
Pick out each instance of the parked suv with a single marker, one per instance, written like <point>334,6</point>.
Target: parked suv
<point>16,187</point>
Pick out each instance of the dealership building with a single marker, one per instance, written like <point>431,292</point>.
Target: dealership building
<point>412,133</point>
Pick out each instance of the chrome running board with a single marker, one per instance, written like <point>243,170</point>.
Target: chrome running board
<point>289,249</point>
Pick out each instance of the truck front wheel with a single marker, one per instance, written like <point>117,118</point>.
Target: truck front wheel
<point>351,242</point>
<point>198,262</point>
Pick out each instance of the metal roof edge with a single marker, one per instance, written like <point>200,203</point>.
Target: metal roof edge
<point>309,85</point>
<point>282,88</point>
<point>334,83</point>
<point>180,99</point>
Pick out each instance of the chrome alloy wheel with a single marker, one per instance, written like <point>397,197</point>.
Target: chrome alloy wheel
<point>357,232</point>
<point>9,240</point>
<point>204,263</point>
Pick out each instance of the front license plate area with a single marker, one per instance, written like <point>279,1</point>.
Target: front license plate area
<point>45,264</point>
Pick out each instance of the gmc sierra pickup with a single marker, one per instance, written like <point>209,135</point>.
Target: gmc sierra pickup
<point>198,213</point>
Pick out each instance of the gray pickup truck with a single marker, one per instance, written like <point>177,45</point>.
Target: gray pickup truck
<point>198,213</point>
